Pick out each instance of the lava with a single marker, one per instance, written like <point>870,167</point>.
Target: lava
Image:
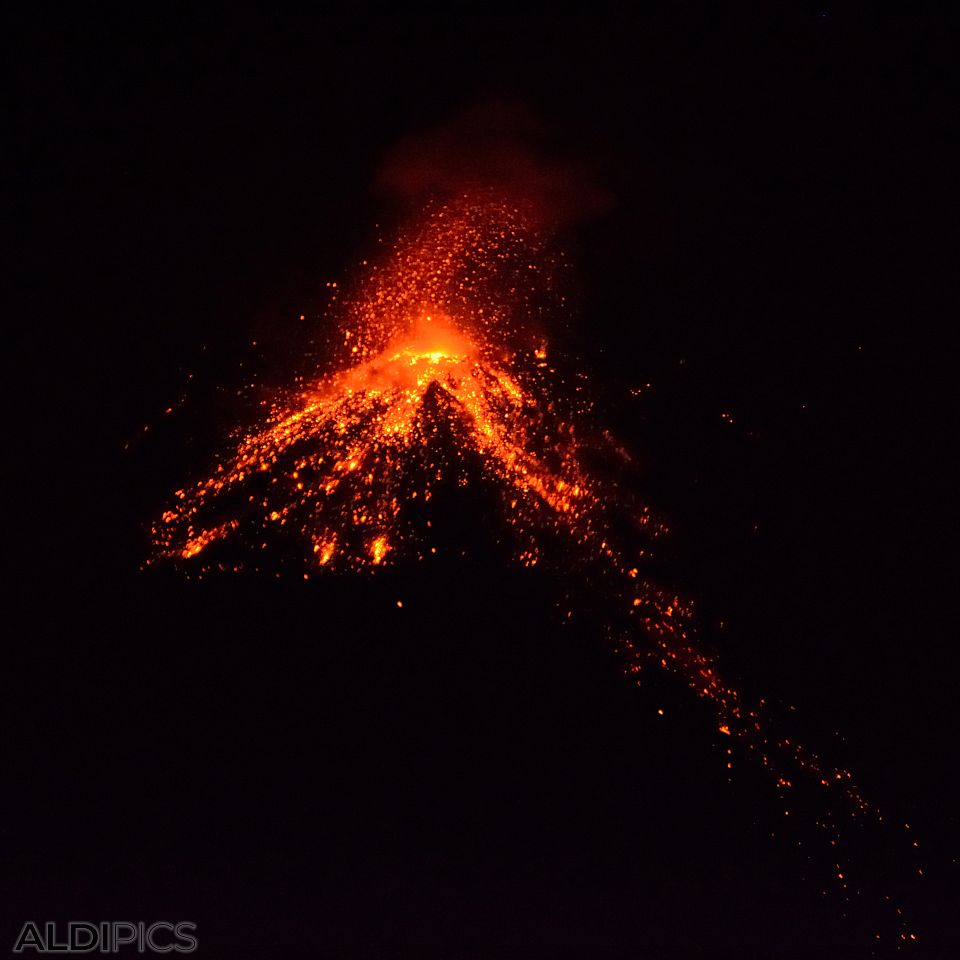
<point>439,336</point>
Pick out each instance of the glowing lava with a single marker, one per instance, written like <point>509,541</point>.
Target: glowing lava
<point>436,352</point>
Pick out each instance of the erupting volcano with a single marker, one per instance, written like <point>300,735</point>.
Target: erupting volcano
<point>440,360</point>
<point>436,328</point>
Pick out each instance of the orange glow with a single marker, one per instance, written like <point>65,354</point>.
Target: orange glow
<point>194,545</point>
<point>378,549</point>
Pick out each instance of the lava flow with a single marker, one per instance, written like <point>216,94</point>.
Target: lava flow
<point>437,340</point>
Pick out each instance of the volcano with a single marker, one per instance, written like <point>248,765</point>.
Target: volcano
<point>442,383</point>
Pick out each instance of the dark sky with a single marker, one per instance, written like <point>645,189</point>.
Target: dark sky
<point>306,772</point>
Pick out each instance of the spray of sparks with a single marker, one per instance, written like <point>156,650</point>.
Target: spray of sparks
<point>437,341</point>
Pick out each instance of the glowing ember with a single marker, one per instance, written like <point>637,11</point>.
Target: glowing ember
<point>436,345</point>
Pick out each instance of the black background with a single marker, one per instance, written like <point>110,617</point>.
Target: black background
<point>304,768</point>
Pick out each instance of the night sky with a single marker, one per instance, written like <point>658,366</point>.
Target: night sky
<point>756,214</point>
